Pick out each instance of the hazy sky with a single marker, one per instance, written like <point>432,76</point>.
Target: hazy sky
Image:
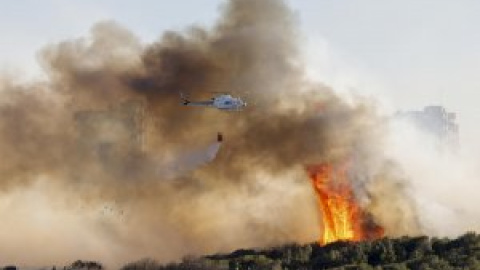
<point>410,53</point>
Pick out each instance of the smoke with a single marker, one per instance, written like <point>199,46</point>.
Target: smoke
<point>441,182</point>
<point>100,160</point>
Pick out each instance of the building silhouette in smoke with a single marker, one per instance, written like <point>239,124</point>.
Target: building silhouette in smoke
<point>117,132</point>
<point>435,121</point>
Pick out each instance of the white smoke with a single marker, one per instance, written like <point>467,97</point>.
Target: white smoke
<point>442,184</point>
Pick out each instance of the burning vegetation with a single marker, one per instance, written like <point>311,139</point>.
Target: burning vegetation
<point>342,217</point>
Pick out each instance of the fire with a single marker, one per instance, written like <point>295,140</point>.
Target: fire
<point>342,217</point>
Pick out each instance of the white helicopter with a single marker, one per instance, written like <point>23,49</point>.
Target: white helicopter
<point>222,101</point>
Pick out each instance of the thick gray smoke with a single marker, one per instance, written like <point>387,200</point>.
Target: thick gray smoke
<point>83,172</point>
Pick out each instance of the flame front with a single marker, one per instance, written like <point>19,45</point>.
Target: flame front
<point>342,217</point>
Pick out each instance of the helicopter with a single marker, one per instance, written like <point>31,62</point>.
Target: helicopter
<point>222,101</point>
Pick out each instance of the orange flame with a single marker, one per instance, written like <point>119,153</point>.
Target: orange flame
<point>342,217</point>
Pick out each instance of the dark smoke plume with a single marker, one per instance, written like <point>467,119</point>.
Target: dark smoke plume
<point>76,181</point>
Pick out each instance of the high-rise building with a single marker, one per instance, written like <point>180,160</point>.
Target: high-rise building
<point>436,121</point>
<point>115,132</point>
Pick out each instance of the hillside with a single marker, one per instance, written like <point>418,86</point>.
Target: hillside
<point>386,253</point>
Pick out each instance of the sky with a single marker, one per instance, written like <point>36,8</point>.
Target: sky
<point>406,53</point>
